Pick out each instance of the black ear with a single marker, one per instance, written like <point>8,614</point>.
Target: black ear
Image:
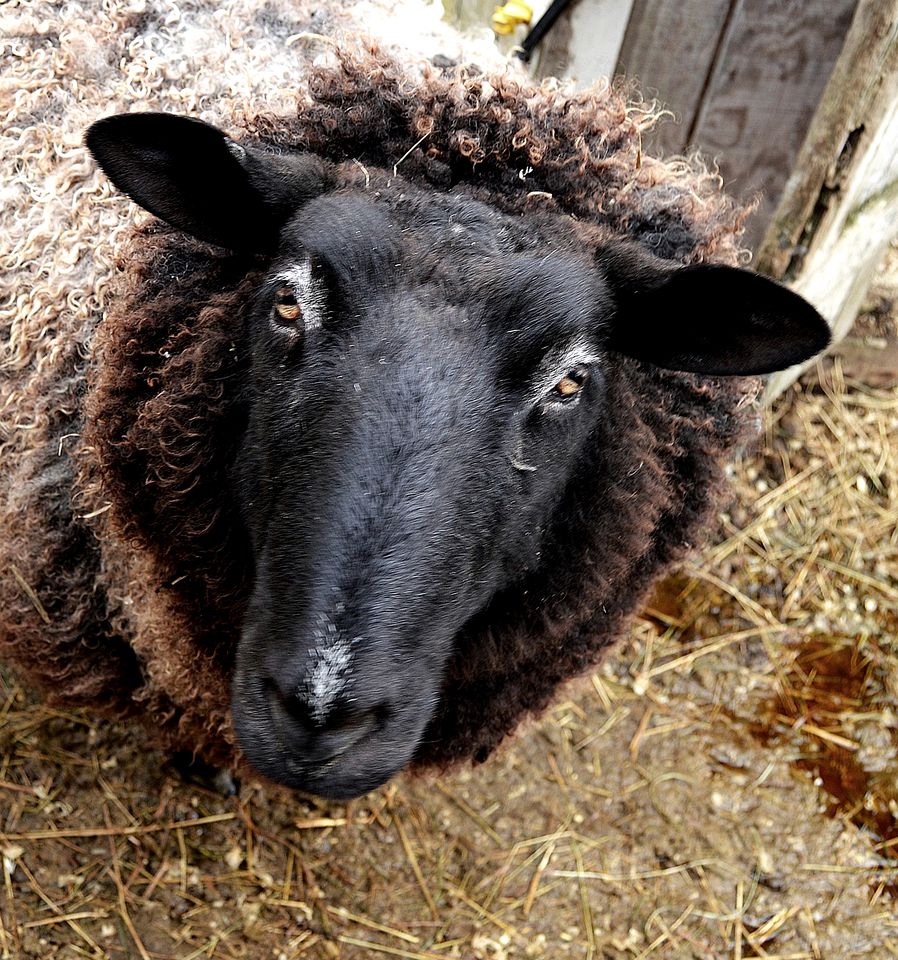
<point>191,175</point>
<point>707,319</point>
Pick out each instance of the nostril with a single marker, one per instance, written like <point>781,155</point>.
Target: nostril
<point>343,722</point>
<point>298,710</point>
<point>382,712</point>
<point>306,717</point>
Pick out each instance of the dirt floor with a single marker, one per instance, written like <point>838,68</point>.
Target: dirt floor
<point>726,785</point>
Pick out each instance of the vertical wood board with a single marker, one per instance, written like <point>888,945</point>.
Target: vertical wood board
<point>670,48</point>
<point>773,66</point>
<point>840,208</point>
<point>857,96</point>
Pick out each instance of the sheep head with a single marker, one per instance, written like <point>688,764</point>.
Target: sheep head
<point>426,380</point>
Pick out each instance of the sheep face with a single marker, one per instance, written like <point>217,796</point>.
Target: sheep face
<point>426,376</point>
<point>420,399</point>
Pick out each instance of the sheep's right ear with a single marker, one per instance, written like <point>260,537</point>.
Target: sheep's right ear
<point>707,318</point>
<point>191,175</point>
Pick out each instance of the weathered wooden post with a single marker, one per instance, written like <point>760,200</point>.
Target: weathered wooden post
<point>839,210</point>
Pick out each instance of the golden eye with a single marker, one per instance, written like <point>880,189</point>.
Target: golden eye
<point>285,305</point>
<point>572,382</point>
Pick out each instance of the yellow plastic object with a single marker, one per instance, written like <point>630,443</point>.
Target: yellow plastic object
<point>507,17</point>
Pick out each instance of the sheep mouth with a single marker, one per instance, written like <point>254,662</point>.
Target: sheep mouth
<point>360,758</point>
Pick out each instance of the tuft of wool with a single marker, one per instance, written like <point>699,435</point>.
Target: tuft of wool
<point>122,569</point>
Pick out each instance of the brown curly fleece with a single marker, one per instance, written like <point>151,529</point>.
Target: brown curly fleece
<point>143,584</point>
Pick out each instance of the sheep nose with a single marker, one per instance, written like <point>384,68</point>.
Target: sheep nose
<point>323,734</point>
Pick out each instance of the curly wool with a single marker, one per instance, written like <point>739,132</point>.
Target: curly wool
<point>129,568</point>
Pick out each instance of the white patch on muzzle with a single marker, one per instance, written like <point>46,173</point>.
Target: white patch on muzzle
<point>331,659</point>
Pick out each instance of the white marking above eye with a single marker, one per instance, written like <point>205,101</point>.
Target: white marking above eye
<point>557,363</point>
<point>307,290</point>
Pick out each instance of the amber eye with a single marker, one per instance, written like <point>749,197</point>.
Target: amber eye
<point>285,305</point>
<point>571,383</point>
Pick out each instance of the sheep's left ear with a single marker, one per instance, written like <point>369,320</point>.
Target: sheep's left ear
<point>709,319</point>
<point>197,179</point>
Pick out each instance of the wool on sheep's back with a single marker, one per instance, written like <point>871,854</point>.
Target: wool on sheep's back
<point>122,574</point>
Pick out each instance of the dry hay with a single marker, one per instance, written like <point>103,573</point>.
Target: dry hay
<point>725,786</point>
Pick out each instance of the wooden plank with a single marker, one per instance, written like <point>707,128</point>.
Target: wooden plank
<point>552,57</point>
<point>857,88</point>
<point>773,66</point>
<point>670,47</point>
<point>840,208</point>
